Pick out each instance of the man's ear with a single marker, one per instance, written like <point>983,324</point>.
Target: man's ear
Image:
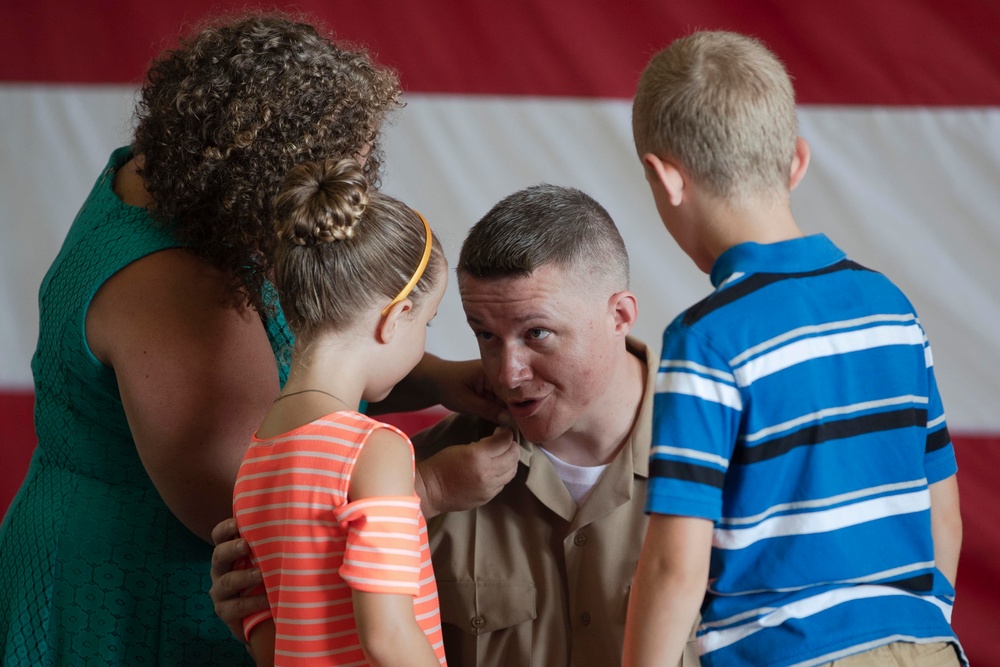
<point>389,322</point>
<point>800,162</point>
<point>665,174</point>
<point>625,309</point>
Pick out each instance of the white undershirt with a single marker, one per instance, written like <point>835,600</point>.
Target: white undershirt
<point>579,480</point>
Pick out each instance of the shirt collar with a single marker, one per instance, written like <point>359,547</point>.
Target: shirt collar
<point>793,256</point>
<point>642,433</point>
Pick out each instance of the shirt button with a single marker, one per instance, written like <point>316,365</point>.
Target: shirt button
<point>585,618</point>
<point>478,621</point>
<point>580,539</point>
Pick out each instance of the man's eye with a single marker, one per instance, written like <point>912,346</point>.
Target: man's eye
<point>538,334</point>
<point>484,335</point>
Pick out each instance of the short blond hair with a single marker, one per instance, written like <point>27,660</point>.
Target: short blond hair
<point>722,105</point>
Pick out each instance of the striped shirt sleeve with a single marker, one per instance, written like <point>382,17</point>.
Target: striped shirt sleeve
<point>696,415</point>
<point>939,453</point>
<point>383,544</point>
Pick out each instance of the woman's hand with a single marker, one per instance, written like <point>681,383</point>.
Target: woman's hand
<point>229,585</point>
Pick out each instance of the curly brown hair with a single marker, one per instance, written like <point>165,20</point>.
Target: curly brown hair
<point>225,116</point>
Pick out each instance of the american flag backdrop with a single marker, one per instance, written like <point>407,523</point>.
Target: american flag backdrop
<point>899,99</point>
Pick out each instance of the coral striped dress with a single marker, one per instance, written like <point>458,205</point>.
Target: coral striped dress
<point>314,547</point>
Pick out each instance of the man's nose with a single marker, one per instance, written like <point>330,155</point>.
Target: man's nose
<point>514,366</point>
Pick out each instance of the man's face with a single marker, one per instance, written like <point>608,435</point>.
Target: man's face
<point>547,343</point>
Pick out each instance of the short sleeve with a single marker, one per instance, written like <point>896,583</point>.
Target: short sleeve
<point>939,453</point>
<point>384,537</point>
<point>696,414</point>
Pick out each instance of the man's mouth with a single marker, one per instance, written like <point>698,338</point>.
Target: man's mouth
<point>524,407</point>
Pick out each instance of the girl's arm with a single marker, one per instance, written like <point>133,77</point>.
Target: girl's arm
<point>262,643</point>
<point>387,626</point>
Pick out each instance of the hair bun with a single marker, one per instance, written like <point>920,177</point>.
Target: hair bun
<point>321,202</point>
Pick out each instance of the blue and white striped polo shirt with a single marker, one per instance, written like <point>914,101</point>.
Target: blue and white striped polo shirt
<point>796,408</point>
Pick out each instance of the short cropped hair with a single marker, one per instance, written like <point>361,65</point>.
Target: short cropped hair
<point>541,225</point>
<point>722,105</point>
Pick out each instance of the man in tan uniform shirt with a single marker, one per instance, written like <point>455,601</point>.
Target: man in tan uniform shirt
<point>533,577</point>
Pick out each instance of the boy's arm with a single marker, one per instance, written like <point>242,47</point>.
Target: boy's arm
<point>668,589</point>
<point>262,643</point>
<point>946,526</point>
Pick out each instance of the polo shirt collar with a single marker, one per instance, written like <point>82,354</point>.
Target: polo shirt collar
<point>806,253</point>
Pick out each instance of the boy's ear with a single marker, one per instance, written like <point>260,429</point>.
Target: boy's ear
<point>800,162</point>
<point>387,325</point>
<point>665,174</point>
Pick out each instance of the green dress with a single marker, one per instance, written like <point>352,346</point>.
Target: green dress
<point>94,569</point>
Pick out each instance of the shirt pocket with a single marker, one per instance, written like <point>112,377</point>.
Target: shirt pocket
<point>487,623</point>
<point>478,607</point>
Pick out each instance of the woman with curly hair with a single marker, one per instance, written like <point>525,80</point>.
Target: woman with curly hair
<point>162,345</point>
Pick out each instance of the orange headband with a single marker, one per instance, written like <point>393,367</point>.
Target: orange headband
<point>405,292</point>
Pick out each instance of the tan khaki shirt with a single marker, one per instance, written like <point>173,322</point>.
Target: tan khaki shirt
<point>531,580</point>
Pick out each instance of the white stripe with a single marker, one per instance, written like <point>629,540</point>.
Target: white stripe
<point>370,534</point>
<point>365,504</point>
<point>830,412</point>
<point>310,621</point>
<point>699,387</point>
<point>289,522</point>
<point>264,508</point>
<point>415,553</point>
<point>824,502</point>
<point>385,567</point>
<point>382,582</point>
<point>313,637</point>
<point>736,275</point>
<point>934,423</point>
<point>318,453</point>
<point>808,523</point>
<point>683,452</point>
<point>698,368</point>
<point>281,489</point>
<point>812,329</point>
<point>297,555</point>
<point>719,639</point>
<point>825,346</point>
<point>321,472</point>
<point>311,539</point>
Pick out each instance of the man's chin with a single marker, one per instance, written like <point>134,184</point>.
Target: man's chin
<point>535,431</point>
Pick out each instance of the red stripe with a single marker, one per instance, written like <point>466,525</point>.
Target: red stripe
<point>919,52</point>
<point>978,456</point>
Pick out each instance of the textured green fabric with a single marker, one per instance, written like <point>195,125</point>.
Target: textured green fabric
<point>94,569</point>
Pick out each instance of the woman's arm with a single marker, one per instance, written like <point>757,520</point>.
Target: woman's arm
<point>196,376</point>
